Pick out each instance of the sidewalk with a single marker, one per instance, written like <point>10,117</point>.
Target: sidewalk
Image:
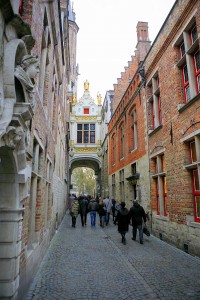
<point>86,263</point>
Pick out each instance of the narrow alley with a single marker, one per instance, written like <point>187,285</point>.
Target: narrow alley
<point>91,263</point>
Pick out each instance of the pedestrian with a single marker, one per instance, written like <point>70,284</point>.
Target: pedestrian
<point>93,208</point>
<point>137,215</point>
<point>123,220</point>
<point>70,200</point>
<point>102,213</point>
<point>117,208</point>
<point>113,209</point>
<point>108,204</point>
<point>83,203</point>
<point>74,211</point>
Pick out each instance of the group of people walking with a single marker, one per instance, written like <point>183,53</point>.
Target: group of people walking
<point>122,217</point>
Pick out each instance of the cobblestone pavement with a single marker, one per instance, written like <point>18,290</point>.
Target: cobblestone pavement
<point>91,263</point>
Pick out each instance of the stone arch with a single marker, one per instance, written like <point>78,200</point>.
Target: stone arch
<point>14,51</point>
<point>88,162</point>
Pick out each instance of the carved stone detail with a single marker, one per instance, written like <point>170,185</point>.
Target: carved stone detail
<point>13,136</point>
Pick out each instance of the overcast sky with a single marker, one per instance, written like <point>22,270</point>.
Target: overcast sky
<point>107,37</point>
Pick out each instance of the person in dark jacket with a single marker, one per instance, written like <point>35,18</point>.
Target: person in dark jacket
<point>137,215</point>
<point>74,211</point>
<point>113,209</point>
<point>122,220</point>
<point>93,208</point>
<point>83,203</point>
<point>102,213</point>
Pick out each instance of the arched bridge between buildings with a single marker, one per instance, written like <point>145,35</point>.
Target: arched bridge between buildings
<point>87,162</point>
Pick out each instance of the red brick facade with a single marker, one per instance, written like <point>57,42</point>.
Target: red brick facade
<point>127,130</point>
<point>166,96</point>
<point>175,200</point>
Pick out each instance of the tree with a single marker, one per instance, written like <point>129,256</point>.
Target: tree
<point>84,180</point>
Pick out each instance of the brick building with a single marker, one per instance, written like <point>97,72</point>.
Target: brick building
<point>128,152</point>
<point>172,73</point>
<point>34,80</point>
<point>154,132</point>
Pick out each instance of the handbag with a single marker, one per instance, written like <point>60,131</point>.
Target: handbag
<point>146,231</point>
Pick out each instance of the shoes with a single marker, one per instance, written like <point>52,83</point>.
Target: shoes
<point>133,239</point>
<point>141,242</point>
<point>123,240</point>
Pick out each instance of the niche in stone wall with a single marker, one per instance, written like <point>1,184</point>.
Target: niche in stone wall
<point>19,91</point>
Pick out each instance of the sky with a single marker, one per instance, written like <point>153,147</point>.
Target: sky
<point>107,37</point>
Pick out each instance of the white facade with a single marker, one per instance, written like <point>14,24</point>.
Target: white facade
<point>85,132</point>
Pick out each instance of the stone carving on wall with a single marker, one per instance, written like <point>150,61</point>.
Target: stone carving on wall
<point>25,73</point>
<point>71,152</point>
<point>99,152</point>
<point>86,118</point>
<point>85,150</point>
<point>13,136</point>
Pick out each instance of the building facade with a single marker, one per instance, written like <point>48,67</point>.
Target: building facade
<point>85,134</point>
<point>106,114</point>
<point>172,73</point>
<point>128,148</point>
<point>154,131</point>
<point>33,105</point>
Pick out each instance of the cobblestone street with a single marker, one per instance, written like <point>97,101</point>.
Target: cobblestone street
<point>86,263</point>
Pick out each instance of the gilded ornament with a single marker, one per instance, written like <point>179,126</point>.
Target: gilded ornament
<point>86,86</point>
<point>85,150</point>
<point>99,99</point>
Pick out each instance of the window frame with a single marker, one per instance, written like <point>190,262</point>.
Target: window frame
<point>160,183</point>
<point>190,85</point>
<point>86,133</point>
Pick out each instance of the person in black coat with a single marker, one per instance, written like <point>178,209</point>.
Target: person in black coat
<point>137,215</point>
<point>122,220</point>
<point>83,203</point>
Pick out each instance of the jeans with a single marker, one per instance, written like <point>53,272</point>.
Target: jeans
<point>139,227</point>
<point>107,218</point>
<point>93,217</point>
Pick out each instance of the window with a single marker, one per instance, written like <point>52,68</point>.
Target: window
<point>195,161</point>
<point>48,194</point>
<point>86,133</point>
<point>155,108</point>
<point>37,162</point>
<point>134,185</point>
<point>121,184</point>
<point>44,60</point>
<point>113,186</point>
<point>160,184</point>
<point>36,193</point>
<point>189,63</point>
<point>186,83</point>
<point>193,35</point>
<point>121,132</point>
<point>182,50</point>
<point>193,166</point>
<point>197,69</point>
<point>86,111</point>
<point>133,137</point>
<point>113,147</point>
